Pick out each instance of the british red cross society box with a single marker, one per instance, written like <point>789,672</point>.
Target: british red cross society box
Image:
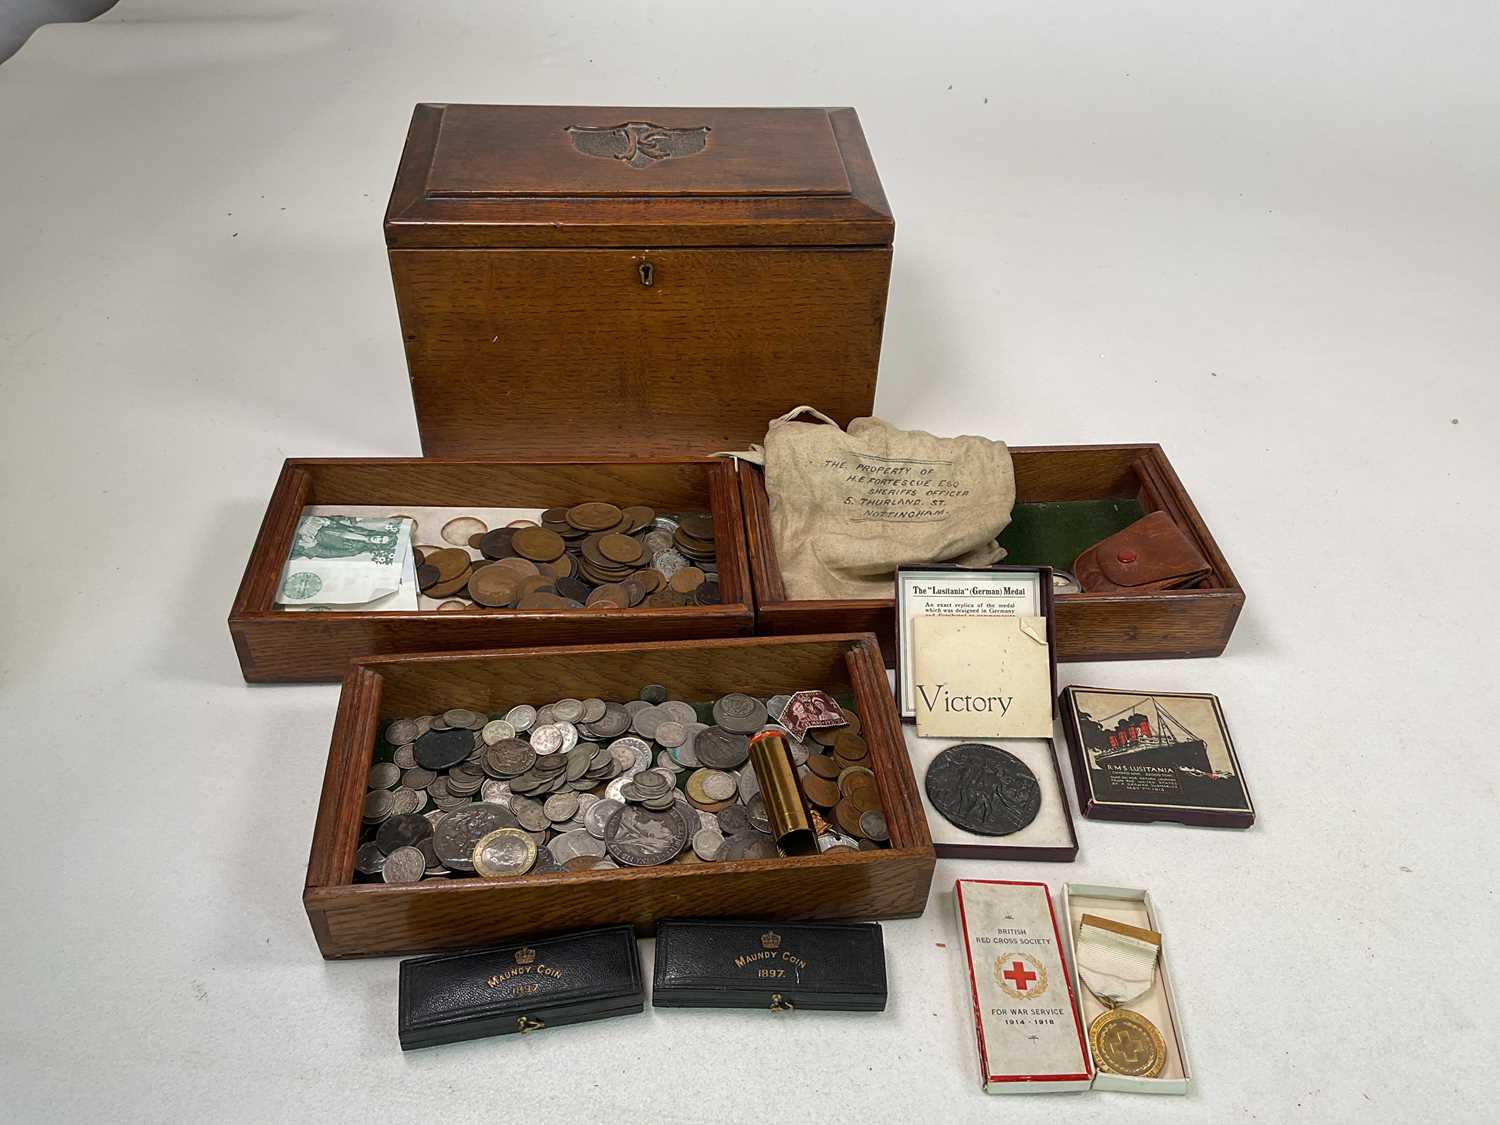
<point>1025,1015</point>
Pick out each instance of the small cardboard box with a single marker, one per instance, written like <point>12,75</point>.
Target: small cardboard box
<point>1049,838</point>
<point>1022,995</point>
<point>1143,756</point>
<point>1132,906</point>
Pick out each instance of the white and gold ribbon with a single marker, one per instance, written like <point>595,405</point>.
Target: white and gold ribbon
<point>1116,961</point>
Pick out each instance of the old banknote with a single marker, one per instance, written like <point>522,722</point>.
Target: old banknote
<point>347,561</point>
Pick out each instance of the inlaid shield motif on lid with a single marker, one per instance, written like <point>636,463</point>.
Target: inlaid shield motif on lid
<point>638,143</point>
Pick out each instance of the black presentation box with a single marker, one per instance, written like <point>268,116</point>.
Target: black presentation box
<point>774,965</point>
<point>520,987</point>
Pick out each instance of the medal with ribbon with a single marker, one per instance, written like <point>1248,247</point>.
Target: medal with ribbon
<point>1117,963</point>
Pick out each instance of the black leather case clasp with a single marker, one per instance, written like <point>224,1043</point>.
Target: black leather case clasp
<point>777,966</point>
<point>520,988</point>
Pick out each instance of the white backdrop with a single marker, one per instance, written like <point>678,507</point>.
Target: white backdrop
<point>1265,236</point>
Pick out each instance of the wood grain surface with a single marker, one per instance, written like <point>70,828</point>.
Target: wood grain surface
<point>274,645</point>
<point>1193,622</point>
<point>351,919</point>
<point>553,301</point>
<point>546,353</point>
<point>529,151</point>
<point>509,176</point>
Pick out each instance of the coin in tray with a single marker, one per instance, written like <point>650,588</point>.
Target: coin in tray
<point>580,784</point>
<point>591,555</point>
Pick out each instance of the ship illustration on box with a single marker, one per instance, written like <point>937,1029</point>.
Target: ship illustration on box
<point>1134,738</point>
<point>1169,750</point>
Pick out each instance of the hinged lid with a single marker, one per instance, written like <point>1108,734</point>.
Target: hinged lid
<point>518,988</point>
<point>536,176</point>
<point>710,963</point>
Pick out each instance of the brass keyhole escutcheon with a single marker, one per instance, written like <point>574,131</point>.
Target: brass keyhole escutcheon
<point>648,274</point>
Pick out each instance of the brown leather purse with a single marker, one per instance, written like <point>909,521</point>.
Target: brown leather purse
<point>1150,554</point>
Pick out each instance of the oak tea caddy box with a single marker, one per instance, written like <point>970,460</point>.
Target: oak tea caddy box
<point>351,919</point>
<point>1068,497</point>
<point>635,281</point>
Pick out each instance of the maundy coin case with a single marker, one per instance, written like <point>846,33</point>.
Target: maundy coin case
<point>776,966</point>
<point>520,987</point>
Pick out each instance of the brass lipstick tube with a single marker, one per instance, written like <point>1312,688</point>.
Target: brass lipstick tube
<point>786,808</point>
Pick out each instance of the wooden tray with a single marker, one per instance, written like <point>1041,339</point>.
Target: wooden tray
<point>1167,623</point>
<point>275,645</point>
<point>352,920</point>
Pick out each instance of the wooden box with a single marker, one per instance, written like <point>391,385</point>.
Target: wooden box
<point>1115,484</point>
<point>350,919</point>
<point>275,644</point>
<point>634,282</point>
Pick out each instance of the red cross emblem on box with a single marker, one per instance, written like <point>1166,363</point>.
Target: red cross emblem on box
<point>1020,975</point>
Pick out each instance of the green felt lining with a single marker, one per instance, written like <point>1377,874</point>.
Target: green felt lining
<point>1056,532</point>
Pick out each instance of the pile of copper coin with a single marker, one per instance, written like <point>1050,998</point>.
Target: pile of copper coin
<point>594,555</point>
<point>839,785</point>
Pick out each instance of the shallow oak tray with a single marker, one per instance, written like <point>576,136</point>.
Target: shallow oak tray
<point>1167,623</point>
<point>276,645</point>
<point>360,919</point>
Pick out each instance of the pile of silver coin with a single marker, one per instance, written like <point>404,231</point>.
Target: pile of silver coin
<point>576,784</point>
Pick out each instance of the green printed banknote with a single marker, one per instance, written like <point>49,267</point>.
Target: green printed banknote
<point>348,562</point>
